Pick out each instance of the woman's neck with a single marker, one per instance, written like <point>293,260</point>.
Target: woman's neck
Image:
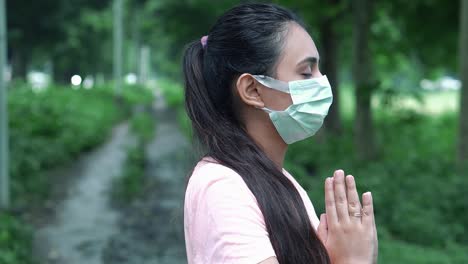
<point>266,136</point>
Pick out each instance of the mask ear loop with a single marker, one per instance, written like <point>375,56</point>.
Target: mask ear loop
<point>272,83</point>
<point>268,110</point>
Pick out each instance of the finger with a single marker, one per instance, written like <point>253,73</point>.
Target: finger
<point>322,230</point>
<point>375,229</point>
<point>330,207</point>
<point>373,221</point>
<point>367,210</point>
<point>376,239</point>
<point>340,196</point>
<point>354,206</point>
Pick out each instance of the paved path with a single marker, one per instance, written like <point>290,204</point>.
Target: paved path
<point>152,227</point>
<point>87,229</point>
<point>85,220</point>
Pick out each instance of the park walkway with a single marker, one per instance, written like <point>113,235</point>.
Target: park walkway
<point>152,228</point>
<point>88,229</point>
<point>84,220</point>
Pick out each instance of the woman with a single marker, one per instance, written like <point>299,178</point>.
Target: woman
<point>253,86</point>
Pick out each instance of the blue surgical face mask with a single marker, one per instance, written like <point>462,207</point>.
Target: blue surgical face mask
<point>311,98</point>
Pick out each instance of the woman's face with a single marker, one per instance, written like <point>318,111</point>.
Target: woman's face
<point>298,61</point>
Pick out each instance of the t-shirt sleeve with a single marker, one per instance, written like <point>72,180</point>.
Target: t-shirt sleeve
<point>234,228</point>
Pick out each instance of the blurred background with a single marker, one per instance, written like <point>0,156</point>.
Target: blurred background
<point>95,144</point>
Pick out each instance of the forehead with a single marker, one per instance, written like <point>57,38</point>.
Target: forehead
<point>298,46</point>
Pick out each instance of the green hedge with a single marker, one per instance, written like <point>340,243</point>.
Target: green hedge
<point>50,128</point>
<point>15,241</point>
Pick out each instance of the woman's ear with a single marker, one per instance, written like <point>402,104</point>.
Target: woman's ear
<point>249,91</point>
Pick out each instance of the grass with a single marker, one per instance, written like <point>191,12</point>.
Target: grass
<point>130,184</point>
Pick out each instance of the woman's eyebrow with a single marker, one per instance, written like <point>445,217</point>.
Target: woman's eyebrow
<point>309,60</point>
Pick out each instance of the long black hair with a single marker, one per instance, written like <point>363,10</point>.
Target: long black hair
<point>248,39</point>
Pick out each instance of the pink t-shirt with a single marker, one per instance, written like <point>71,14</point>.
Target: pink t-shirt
<point>222,220</point>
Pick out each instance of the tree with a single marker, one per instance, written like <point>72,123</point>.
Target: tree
<point>463,55</point>
<point>71,34</point>
<point>363,80</point>
<point>329,39</point>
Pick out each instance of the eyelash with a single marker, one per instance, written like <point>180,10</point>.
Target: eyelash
<point>307,75</point>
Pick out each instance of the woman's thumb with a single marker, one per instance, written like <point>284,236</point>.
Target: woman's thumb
<point>322,230</point>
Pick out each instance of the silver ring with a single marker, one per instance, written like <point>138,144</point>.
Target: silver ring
<point>355,214</point>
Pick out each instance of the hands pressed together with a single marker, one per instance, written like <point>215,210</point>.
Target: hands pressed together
<point>347,229</point>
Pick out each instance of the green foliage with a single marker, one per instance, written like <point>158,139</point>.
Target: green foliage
<point>15,240</point>
<point>178,23</point>
<point>394,251</point>
<point>137,95</point>
<point>172,91</point>
<point>142,125</point>
<point>73,35</point>
<point>50,128</point>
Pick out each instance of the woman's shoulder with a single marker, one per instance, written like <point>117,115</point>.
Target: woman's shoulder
<point>210,169</point>
<point>209,172</point>
<point>212,183</point>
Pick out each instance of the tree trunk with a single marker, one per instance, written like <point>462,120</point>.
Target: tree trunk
<point>363,80</point>
<point>463,55</point>
<point>330,68</point>
<point>118,43</point>
<point>18,64</point>
<point>136,39</point>
<point>4,147</point>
